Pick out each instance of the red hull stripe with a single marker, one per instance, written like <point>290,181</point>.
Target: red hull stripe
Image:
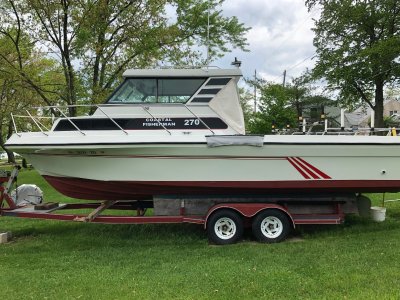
<point>305,168</point>
<point>134,190</point>
<point>319,172</point>
<point>294,164</point>
<point>165,157</point>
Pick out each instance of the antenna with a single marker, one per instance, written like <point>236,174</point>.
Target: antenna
<point>208,34</point>
<point>255,91</point>
<point>237,63</point>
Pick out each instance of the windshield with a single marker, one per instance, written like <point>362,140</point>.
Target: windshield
<point>151,90</point>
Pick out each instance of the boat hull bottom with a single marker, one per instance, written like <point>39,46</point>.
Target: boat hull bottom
<point>140,190</point>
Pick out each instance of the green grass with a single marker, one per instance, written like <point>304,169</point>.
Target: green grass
<point>65,260</point>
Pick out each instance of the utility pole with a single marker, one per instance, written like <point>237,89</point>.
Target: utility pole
<point>255,91</point>
<point>284,78</point>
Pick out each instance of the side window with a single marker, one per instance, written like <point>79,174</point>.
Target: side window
<point>150,90</point>
<point>177,90</point>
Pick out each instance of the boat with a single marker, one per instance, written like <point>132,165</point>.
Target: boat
<point>182,132</point>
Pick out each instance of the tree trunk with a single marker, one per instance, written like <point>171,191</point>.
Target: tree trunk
<point>10,154</point>
<point>379,104</point>
<point>1,137</point>
<point>299,108</point>
<point>70,74</point>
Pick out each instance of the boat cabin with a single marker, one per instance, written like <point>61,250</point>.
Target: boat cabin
<point>173,100</point>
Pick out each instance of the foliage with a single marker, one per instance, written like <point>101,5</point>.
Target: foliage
<point>22,75</point>
<point>95,41</point>
<point>274,110</point>
<point>247,103</point>
<point>280,106</point>
<point>358,47</point>
<point>391,121</point>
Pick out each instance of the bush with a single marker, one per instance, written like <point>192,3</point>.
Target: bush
<point>24,164</point>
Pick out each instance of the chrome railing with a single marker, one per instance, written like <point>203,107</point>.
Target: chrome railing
<point>59,109</point>
<point>348,131</point>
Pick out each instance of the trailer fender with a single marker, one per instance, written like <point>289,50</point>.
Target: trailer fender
<point>247,210</point>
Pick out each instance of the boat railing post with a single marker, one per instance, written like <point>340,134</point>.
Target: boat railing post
<point>112,120</point>
<point>15,126</point>
<point>372,121</point>
<point>198,118</point>
<point>37,119</point>
<point>69,119</point>
<point>36,123</point>
<point>342,119</point>
<point>146,109</point>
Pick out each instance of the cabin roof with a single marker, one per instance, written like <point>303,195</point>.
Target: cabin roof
<point>140,73</point>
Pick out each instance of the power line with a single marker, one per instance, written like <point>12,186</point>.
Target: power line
<point>295,65</point>
<point>297,28</point>
<point>298,64</point>
<point>313,13</point>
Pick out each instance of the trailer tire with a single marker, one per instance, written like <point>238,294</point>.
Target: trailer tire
<point>271,226</point>
<point>224,227</point>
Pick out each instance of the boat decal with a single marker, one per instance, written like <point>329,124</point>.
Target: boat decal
<point>218,81</point>
<point>206,91</point>
<point>293,163</point>
<point>175,123</point>
<point>201,100</point>
<point>319,172</point>
<point>307,170</point>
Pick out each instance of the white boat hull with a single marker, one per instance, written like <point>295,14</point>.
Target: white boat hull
<point>141,170</point>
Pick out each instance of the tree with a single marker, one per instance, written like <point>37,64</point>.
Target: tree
<point>283,105</point>
<point>358,47</point>
<point>275,109</point>
<point>246,99</point>
<point>25,76</point>
<point>96,40</point>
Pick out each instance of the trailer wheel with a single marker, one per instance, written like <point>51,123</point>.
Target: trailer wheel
<point>271,226</point>
<point>224,227</point>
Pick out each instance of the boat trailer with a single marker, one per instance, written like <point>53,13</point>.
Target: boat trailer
<point>224,221</point>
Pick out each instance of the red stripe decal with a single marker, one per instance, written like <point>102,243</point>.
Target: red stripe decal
<point>292,162</point>
<point>306,169</point>
<point>319,172</point>
<point>164,157</point>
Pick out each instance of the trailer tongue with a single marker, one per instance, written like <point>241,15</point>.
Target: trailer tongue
<point>271,218</point>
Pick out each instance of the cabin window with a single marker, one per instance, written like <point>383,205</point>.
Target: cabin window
<point>149,90</point>
<point>136,91</point>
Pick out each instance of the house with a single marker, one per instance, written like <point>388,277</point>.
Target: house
<point>362,115</point>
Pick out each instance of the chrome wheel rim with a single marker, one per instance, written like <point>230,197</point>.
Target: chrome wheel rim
<point>271,227</point>
<point>225,228</point>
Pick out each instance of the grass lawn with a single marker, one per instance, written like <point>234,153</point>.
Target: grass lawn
<point>65,260</point>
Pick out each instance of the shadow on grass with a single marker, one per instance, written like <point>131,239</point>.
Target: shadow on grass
<point>92,235</point>
<point>353,226</point>
<point>104,234</point>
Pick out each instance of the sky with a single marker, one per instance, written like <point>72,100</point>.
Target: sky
<point>280,38</point>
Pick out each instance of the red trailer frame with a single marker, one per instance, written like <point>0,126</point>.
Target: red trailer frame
<point>224,222</point>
